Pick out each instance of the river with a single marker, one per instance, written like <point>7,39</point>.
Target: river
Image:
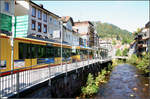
<point>126,82</point>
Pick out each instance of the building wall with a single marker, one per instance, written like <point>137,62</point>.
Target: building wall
<point>68,37</point>
<point>6,17</point>
<point>53,25</point>
<point>30,31</point>
<point>82,29</point>
<point>11,7</point>
<point>75,40</point>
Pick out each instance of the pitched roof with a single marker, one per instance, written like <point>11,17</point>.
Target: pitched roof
<point>82,23</point>
<point>65,19</point>
<point>147,25</point>
<point>43,8</point>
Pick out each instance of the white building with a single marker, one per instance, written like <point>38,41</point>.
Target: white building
<point>87,33</point>
<point>69,35</point>
<point>7,7</point>
<point>35,20</point>
<point>6,16</point>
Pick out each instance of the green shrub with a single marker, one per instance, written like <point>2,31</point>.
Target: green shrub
<point>133,59</point>
<point>109,67</point>
<point>91,87</point>
<point>100,78</point>
<point>118,52</point>
<point>140,63</point>
<point>125,52</point>
<point>144,63</point>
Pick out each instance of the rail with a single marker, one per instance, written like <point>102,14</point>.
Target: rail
<point>20,81</point>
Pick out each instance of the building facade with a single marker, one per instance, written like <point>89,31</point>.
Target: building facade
<point>35,20</point>
<point>87,34</point>
<point>6,16</point>
<point>142,41</point>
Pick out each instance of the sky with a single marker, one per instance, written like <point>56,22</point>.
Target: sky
<point>128,15</point>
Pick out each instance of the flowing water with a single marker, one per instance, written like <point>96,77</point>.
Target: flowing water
<point>126,82</point>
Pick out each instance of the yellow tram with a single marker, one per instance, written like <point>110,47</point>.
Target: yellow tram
<point>37,53</point>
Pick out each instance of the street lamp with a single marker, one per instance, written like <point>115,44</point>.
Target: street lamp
<point>61,33</point>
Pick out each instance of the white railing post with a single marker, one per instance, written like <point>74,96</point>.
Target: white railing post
<point>17,84</point>
<point>0,88</point>
<point>49,83</point>
<point>66,68</point>
<point>76,65</point>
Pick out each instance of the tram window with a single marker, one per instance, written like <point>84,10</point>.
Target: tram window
<point>48,52</point>
<point>77,52</point>
<point>39,52</point>
<point>63,52</point>
<point>22,50</point>
<point>28,51</point>
<point>33,51</point>
<point>57,51</point>
<point>43,52</point>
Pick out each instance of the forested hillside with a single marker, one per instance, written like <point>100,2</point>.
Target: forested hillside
<point>106,30</point>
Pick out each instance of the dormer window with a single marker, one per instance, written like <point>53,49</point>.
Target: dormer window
<point>7,6</point>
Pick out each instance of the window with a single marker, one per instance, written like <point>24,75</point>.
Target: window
<point>41,51</point>
<point>33,25</point>
<point>50,19</point>
<point>39,27</point>
<point>45,29</point>
<point>39,14</point>
<point>55,21</point>
<point>22,50</point>
<point>33,11</point>
<point>7,5</point>
<point>45,17</point>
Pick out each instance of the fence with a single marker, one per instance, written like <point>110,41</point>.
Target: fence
<point>19,81</point>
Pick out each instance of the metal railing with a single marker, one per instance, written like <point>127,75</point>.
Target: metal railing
<point>19,81</point>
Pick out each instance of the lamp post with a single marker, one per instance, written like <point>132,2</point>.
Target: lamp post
<point>61,33</point>
<point>12,50</point>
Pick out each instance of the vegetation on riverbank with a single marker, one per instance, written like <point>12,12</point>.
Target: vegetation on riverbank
<point>142,63</point>
<point>92,85</point>
<point>122,53</point>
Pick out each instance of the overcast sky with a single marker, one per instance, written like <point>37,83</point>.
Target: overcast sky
<point>127,15</point>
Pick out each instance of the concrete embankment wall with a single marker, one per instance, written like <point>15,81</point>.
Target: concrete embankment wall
<point>64,86</point>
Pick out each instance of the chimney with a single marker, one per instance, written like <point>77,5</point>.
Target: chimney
<point>41,5</point>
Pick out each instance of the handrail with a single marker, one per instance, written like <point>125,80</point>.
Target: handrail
<point>21,80</point>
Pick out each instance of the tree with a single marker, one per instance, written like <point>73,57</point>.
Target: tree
<point>118,52</point>
<point>125,52</point>
<point>113,42</point>
<point>106,30</point>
